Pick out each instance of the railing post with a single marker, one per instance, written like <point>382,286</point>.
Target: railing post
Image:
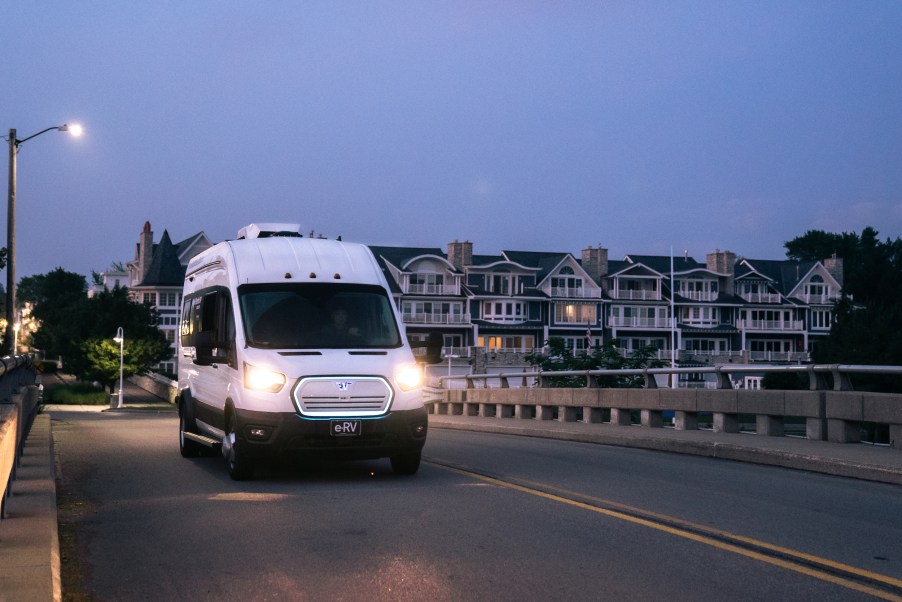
<point>816,380</point>
<point>841,380</point>
<point>723,378</point>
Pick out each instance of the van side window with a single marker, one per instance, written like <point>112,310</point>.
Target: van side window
<point>186,327</point>
<point>208,320</point>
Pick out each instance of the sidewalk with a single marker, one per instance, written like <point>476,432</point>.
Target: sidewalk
<point>135,399</point>
<point>29,541</point>
<point>855,460</point>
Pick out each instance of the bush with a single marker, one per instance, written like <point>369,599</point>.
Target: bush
<point>77,394</point>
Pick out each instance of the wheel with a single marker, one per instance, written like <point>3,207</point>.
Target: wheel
<point>241,468</point>
<point>187,447</point>
<point>406,463</point>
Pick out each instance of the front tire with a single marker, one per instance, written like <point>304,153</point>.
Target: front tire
<point>406,464</point>
<point>241,468</point>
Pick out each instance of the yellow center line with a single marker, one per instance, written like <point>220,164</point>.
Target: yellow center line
<point>780,562</point>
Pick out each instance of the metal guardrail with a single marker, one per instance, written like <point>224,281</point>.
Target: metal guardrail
<point>817,375</point>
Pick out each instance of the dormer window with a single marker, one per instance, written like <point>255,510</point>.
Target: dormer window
<point>426,283</point>
<point>505,284</point>
<point>698,290</point>
<point>566,284</point>
<point>816,290</point>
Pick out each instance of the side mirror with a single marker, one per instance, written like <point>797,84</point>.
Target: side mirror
<point>207,356</point>
<point>433,345</point>
<point>207,351</point>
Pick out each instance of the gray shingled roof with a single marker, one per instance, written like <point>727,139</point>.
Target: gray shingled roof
<point>785,274</point>
<point>165,268</point>
<point>533,259</point>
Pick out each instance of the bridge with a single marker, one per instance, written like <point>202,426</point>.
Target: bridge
<point>726,424</point>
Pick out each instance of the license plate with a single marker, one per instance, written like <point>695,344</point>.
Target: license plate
<point>345,428</point>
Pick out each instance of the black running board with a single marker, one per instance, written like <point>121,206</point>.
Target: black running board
<point>208,441</point>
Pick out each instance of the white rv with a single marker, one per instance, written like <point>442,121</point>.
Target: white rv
<point>293,345</point>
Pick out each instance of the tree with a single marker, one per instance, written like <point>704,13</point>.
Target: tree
<point>867,319</point>
<point>872,270</point>
<point>606,357</point>
<point>103,358</point>
<point>104,314</point>
<point>58,299</point>
<point>75,327</point>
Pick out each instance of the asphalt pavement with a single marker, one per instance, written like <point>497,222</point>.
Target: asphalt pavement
<point>29,543</point>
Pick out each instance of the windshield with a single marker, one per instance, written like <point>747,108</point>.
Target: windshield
<point>317,316</point>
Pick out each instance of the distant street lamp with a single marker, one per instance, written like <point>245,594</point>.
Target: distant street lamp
<point>120,338</point>
<point>14,144</point>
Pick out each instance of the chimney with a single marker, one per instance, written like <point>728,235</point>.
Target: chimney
<point>145,251</point>
<point>460,254</point>
<point>723,262</point>
<point>595,262</point>
<point>834,266</point>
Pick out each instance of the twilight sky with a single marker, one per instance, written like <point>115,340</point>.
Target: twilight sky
<point>518,125</point>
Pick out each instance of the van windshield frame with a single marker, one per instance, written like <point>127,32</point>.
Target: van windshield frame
<point>307,316</point>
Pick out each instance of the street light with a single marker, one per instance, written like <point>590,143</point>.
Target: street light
<point>120,338</point>
<point>14,144</point>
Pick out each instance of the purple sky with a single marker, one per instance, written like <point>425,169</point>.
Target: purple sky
<point>533,126</point>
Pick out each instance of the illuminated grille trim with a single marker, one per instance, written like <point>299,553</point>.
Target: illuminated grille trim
<point>342,396</point>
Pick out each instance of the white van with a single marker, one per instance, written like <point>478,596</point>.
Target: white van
<point>293,345</point>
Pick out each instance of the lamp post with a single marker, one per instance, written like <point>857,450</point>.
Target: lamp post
<point>120,338</point>
<point>14,144</point>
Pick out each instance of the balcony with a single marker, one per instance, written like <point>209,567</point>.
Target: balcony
<point>780,356</point>
<point>660,354</point>
<point>638,322</point>
<point>761,297</point>
<point>430,289</point>
<point>779,325</point>
<point>824,299</point>
<point>636,295</point>
<point>698,295</point>
<point>432,318</point>
<point>576,293</point>
<point>709,356</point>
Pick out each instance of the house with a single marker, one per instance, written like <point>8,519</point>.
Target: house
<point>727,309</point>
<point>155,276</point>
<point>493,309</point>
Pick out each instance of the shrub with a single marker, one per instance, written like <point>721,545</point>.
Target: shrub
<point>76,394</point>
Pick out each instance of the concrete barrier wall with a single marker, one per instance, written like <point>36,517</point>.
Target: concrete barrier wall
<point>828,415</point>
<point>9,425</point>
<point>160,386</point>
<point>16,416</point>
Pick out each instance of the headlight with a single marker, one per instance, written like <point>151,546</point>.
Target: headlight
<point>263,379</point>
<point>409,377</point>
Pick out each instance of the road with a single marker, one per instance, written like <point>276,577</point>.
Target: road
<point>488,517</point>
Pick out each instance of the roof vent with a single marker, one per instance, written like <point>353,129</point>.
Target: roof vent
<point>269,230</point>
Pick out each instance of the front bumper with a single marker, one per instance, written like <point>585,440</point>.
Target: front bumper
<point>267,434</point>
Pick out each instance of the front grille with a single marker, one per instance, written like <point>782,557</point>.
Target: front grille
<point>342,396</point>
